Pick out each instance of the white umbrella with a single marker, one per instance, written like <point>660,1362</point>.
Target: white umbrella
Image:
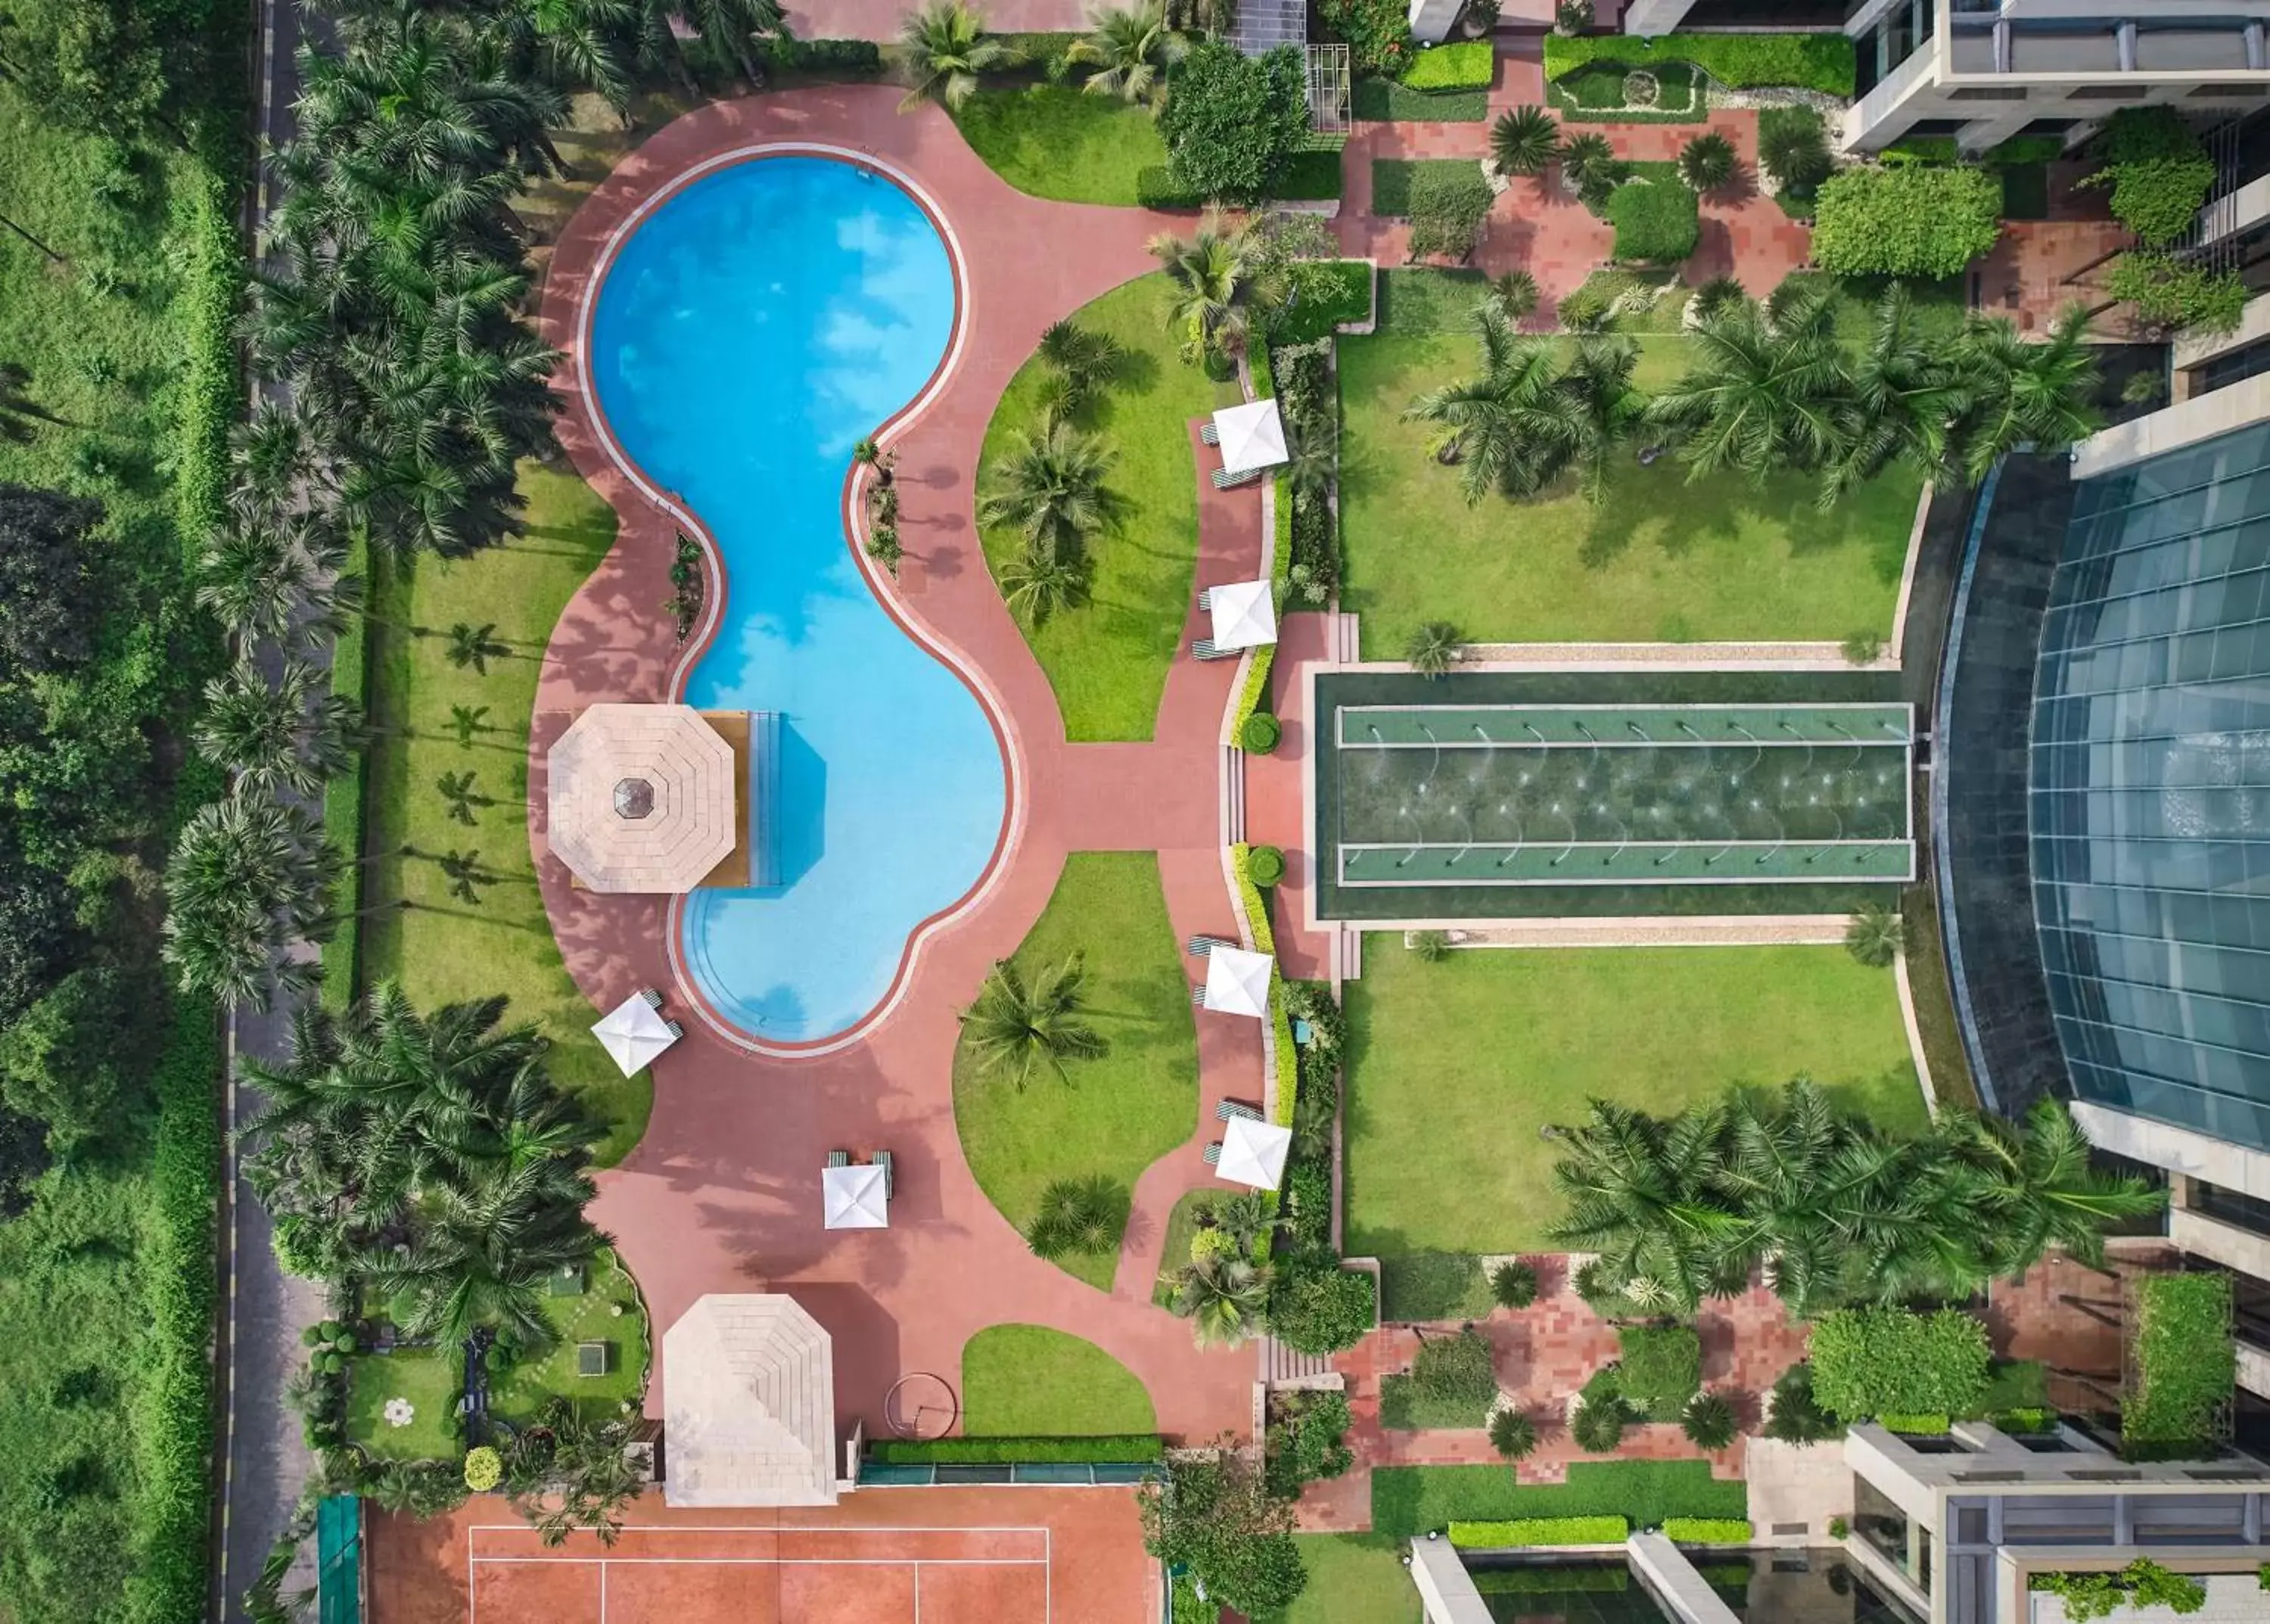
<point>1253,1152</point>
<point>855,1198</point>
<point>634,1033</point>
<point>1237,982</point>
<point>1253,436</point>
<point>1243,615</point>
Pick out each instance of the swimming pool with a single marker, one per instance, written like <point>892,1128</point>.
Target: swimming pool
<point>749,331</point>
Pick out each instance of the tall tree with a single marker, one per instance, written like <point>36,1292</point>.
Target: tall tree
<point>248,876</point>
<point>946,49</point>
<point>1017,1028</point>
<point>2020,393</point>
<point>1051,489</point>
<point>1640,1193</point>
<point>1604,406</point>
<point>1219,287</point>
<point>1762,394</point>
<point>1509,426</point>
<point>1906,395</point>
<point>291,732</point>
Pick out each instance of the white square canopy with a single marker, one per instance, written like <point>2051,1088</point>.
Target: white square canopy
<point>1237,982</point>
<point>1244,614</point>
<point>855,1198</point>
<point>633,1033</point>
<point>1253,436</point>
<point>1253,1152</point>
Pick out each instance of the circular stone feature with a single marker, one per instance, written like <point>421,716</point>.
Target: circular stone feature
<point>633,797</point>
<point>1641,89</point>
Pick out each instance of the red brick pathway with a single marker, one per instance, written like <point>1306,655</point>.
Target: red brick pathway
<point>723,1193</point>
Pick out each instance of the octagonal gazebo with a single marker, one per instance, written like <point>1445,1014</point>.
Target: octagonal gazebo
<point>642,799</point>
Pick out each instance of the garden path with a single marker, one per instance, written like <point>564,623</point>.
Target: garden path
<point>723,1193</point>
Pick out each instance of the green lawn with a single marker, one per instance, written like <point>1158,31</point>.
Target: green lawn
<point>1107,659</point>
<point>1352,1579</point>
<point>432,1380</point>
<point>443,948</point>
<point>1057,141</point>
<point>1658,559</point>
<point>588,1316</point>
<point>1030,1381</point>
<point>1411,1500</point>
<point>1118,1114</point>
<point>1453,1067</point>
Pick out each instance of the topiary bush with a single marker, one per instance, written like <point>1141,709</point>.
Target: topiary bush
<point>483,1469</point>
<point>1259,735</point>
<point>1264,865</point>
<point>1656,223</point>
<point>1871,1362</point>
<point>1909,222</point>
<point>1317,1307</point>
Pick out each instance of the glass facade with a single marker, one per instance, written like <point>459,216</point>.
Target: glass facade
<point>2149,810</point>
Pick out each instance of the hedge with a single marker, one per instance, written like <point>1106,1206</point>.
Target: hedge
<point>1707,1530</point>
<point>1157,187</point>
<point>1917,1426</point>
<point>1595,93</point>
<point>174,1420</point>
<point>1913,221</point>
<point>1108,1449</point>
<point>1878,1361</point>
<point>1400,184</point>
<point>2186,1365</point>
<point>840,58</point>
<point>1470,65</point>
<point>1385,102</point>
<point>1542,1531</point>
<point>1309,177</point>
<point>1411,1500</point>
<point>209,400</point>
<point>1655,220</point>
<point>2027,150</point>
<point>1822,61</point>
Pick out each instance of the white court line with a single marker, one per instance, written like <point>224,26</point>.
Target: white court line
<point>761,1561</point>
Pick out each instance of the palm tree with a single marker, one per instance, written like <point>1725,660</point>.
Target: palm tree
<point>1433,649</point>
<point>1512,1435</point>
<point>1795,152</point>
<point>946,48</point>
<point>1761,397</point>
<point>467,720</point>
<point>1051,487</point>
<point>2023,392</point>
<point>1245,1218</point>
<point>19,412</point>
<point>1508,427</point>
<point>255,582</point>
<point>1514,294</point>
<point>1707,162</point>
<point>1083,358</point>
<point>1017,1029</point>
<point>1523,140</point>
<point>1815,1195</point>
<point>1312,455</point>
<point>2033,1188</point>
<point>476,646</point>
<point>1219,287</point>
<point>1603,408</point>
<point>1132,50</point>
<point>1906,397</point>
<point>1078,1215</point>
<point>481,1258</point>
<point>1223,1297</point>
<point>248,875</point>
<point>1638,1192</point>
<point>457,790</point>
<point>1876,935</point>
<point>1037,585</point>
<point>278,456</point>
<point>463,872</point>
<point>1592,167</point>
<point>1709,1421</point>
<point>292,733</point>
<point>590,1482</point>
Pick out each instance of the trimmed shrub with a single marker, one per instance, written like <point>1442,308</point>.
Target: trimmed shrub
<point>1512,1435</point>
<point>1540,1530</point>
<point>1308,177</point>
<point>1514,1285</point>
<point>1469,64</point>
<point>1158,187</point>
<point>2186,1366</point>
<point>1233,120</point>
<point>1822,61</point>
<point>1433,1285</point>
<point>1455,1369</point>
<point>1709,1421</point>
<point>1378,33</point>
<point>1379,101</point>
<point>1707,1530</point>
<point>1708,162</point>
<point>1911,222</point>
<point>483,1469</point>
<point>1266,866</point>
<point>1317,1307</point>
<point>2158,170</point>
<point>850,59</point>
<point>1654,222</point>
<point>1448,203</point>
<point>1917,1426</point>
<point>2170,292</point>
<point>1258,736</point>
<point>1109,1449</point>
<point>1873,1362</point>
<point>1661,1368</point>
<point>2027,150</point>
<point>1922,150</point>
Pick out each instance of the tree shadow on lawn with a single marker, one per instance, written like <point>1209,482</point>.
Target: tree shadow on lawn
<point>1659,505</point>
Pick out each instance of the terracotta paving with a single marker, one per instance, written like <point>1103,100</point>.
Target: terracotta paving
<point>722,1194</point>
<point>879,19</point>
<point>959,1555</point>
<point>1274,795</point>
<point>2056,1312</point>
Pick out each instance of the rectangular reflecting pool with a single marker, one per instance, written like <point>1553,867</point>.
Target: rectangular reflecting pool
<point>1770,1587</point>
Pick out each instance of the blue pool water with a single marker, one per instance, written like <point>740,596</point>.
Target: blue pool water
<point>749,332</point>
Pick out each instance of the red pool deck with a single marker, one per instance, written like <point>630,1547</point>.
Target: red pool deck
<point>885,1556</point>
<point>723,1193</point>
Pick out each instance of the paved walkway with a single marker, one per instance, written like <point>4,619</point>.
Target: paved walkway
<point>723,1193</point>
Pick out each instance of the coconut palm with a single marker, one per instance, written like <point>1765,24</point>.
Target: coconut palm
<point>1638,1192</point>
<point>292,732</point>
<point>248,875</point>
<point>2032,1187</point>
<point>481,1259</point>
<point>1132,50</point>
<point>1905,399</point>
<point>1707,162</point>
<point>1876,936</point>
<point>1432,650</point>
<point>1220,285</point>
<point>1816,1196</point>
<point>1051,489</point>
<point>1037,585</point>
<point>946,48</point>
<point>1523,140</point>
<point>1312,446</point>
<point>1223,1297</point>
<point>588,1482</point>
<point>1603,408</point>
<point>1078,1215</point>
<point>1245,1218</point>
<point>278,456</point>
<point>1760,396</point>
<point>2021,392</point>
<point>476,646</point>
<point>1017,1029</point>
<point>1592,167</point>
<point>1084,360</point>
<point>1508,427</point>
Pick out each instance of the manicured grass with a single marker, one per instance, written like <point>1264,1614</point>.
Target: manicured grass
<point>1404,1408</point>
<point>1182,1223</point>
<point>521,1393</point>
<point>1107,658</point>
<point>1657,560</point>
<point>1433,1286</point>
<point>1394,180</point>
<point>1454,1066</point>
<point>1352,1579</point>
<point>1385,101</point>
<point>1057,141</point>
<point>432,1380</point>
<point>443,949</point>
<point>1030,1381</point>
<point>1411,1500</point>
<point>1116,1115</point>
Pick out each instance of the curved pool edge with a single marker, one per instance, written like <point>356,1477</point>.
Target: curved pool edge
<point>880,582</point>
